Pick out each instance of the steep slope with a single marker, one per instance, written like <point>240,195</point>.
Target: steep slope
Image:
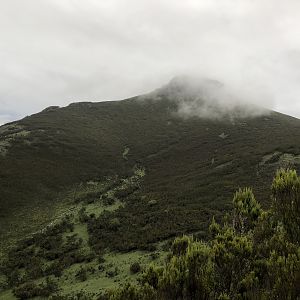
<point>192,164</point>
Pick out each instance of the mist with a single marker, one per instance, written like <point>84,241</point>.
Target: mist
<point>196,96</point>
<point>54,52</point>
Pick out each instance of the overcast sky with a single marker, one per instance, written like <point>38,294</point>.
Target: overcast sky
<point>53,52</point>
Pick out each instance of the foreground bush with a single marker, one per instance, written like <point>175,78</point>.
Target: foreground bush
<point>31,289</point>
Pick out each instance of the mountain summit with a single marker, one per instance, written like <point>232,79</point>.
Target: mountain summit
<point>206,98</point>
<point>188,85</point>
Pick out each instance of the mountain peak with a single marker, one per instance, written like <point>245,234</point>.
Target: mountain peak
<point>185,81</point>
<point>206,98</point>
<point>190,86</point>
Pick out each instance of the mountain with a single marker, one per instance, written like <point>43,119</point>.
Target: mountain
<point>163,163</point>
<point>192,164</point>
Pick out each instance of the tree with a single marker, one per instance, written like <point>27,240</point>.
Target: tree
<point>286,202</point>
<point>246,210</point>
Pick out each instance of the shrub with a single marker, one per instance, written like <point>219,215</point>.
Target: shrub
<point>180,245</point>
<point>112,273</point>
<point>286,201</point>
<point>114,224</point>
<point>82,215</point>
<point>31,289</point>
<point>246,210</point>
<point>135,268</point>
<point>81,274</point>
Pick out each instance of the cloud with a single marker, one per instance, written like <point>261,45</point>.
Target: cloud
<point>54,52</point>
<point>205,98</point>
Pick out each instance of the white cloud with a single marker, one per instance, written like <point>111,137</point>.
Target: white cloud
<point>53,52</point>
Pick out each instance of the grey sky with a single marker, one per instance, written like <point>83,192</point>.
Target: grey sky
<point>53,52</point>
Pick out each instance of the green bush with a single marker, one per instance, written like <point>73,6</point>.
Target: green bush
<point>31,289</point>
<point>81,275</point>
<point>135,268</point>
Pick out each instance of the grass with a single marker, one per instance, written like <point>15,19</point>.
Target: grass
<point>7,295</point>
<point>112,269</point>
<point>99,280</point>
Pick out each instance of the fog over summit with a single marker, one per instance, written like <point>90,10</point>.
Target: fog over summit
<point>206,98</point>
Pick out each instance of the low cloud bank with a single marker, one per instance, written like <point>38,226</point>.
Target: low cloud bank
<point>206,98</point>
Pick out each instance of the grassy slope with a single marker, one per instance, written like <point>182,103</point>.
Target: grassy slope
<point>113,269</point>
<point>86,140</point>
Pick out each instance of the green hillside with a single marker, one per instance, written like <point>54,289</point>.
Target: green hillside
<point>125,178</point>
<point>193,164</point>
<point>252,254</point>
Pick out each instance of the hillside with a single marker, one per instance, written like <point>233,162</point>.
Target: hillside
<point>157,173</point>
<point>189,162</point>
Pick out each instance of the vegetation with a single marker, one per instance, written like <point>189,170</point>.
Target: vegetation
<point>62,251</point>
<point>135,268</point>
<point>255,256</point>
<point>106,187</point>
<point>252,253</point>
<point>31,290</point>
<point>191,170</point>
